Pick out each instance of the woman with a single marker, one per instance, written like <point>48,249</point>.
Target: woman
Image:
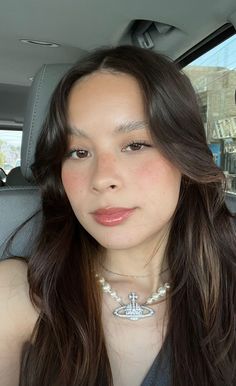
<point>134,269</point>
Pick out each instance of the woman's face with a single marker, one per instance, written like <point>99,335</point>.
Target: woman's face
<point>104,169</point>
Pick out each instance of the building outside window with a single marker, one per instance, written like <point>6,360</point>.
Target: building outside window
<point>213,76</point>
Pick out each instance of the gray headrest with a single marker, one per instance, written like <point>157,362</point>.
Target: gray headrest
<point>40,93</point>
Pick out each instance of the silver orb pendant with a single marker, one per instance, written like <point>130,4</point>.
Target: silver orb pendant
<point>133,310</point>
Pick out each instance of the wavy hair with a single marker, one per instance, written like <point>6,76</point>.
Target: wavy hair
<point>67,346</point>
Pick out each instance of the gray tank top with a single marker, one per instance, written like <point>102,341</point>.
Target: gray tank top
<point>159,373</point>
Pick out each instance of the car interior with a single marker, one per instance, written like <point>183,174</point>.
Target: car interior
<point>40,41</point>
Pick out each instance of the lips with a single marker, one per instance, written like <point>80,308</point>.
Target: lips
<point>111,211</point>
<point>112,216</point>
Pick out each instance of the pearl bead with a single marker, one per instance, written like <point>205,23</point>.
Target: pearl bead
<point>162,291</point>
<point>106,287</point>
<point>155,296</point>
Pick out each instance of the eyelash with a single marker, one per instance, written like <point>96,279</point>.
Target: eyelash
<point>141,143</point>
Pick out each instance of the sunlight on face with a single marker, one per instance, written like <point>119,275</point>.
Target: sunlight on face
<point>112,162</point>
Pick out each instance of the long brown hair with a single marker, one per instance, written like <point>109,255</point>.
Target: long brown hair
<point>68,345</point>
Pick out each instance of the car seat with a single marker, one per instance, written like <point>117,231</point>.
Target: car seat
<point>19,203</point>
<point>16,178</point>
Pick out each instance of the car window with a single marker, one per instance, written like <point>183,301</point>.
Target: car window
<point>10,148</point>
<point>213,76</point>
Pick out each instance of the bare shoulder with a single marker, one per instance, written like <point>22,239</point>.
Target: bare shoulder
<point>12,267</point>
<point>17,318</point>
<point>18,313</point>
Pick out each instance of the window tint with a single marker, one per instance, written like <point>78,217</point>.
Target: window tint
<point>10,148</point>
<point>213,76</point>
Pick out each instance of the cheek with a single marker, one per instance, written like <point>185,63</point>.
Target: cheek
<point>160,175</point>
<point>73,181</point>
<point>151,171</point>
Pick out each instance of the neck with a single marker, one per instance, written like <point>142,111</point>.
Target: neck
<point>140,269</point>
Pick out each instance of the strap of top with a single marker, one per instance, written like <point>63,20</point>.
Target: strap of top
<point>160,371</point>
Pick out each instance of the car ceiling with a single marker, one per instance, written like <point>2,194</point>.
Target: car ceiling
<point>82,25</point>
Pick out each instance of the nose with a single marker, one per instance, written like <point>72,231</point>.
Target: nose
<point>106,175</point>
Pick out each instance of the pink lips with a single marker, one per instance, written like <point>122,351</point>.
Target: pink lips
<point>112,216</point>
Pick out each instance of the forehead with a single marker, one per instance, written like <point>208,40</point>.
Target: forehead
<point>108,77</point>
<point>106,104</point>
<point>105,92</point>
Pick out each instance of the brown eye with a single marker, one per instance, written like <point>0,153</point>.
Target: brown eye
<point>81,153</point>
<point>77,154</point>
<point>136,146</point>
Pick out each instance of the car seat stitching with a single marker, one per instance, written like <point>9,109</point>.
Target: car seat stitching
<point>34,115</point>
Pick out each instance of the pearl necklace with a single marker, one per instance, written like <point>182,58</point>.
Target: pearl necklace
<point>133,310</point>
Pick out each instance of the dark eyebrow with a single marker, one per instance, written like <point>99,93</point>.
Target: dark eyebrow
<point>125,127</point>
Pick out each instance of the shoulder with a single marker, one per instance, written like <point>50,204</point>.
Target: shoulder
<point>17,318</point>
<point>18,315</point>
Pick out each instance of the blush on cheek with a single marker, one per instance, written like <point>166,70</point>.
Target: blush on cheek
<point>72,182</point>
<point>158,171</point>
<point>150,171</point>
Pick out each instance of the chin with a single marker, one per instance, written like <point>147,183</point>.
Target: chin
<point>115,242</point>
